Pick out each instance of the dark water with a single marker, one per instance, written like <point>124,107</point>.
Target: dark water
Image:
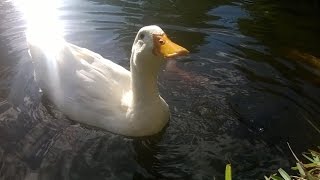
<point>250,84</point>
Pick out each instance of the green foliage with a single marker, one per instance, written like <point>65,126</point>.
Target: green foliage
<point>308,171</point>
<point>228,175</point>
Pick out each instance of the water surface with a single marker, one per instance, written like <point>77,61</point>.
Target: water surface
<point>250,84</point>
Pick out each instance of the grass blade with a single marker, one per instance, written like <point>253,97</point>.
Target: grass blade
<point>307,157</point>
<point>284,174</point>
<point>274,177</point>
<point>228,175</point>
<point>300,169</point>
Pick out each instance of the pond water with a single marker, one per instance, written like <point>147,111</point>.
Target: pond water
<point>250,85</point>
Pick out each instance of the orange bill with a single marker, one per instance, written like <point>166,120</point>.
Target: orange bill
<point>164,47</point>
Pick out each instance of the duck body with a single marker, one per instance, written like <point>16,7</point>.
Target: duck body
<point>95,91</point>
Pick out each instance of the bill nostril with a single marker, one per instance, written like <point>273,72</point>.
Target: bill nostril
<point>161,41</point>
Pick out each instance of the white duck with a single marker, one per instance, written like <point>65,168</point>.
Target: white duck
<point>95,91</point>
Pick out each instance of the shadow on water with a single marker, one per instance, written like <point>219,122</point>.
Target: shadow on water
<point>237,98</point>
<point>284,80</point>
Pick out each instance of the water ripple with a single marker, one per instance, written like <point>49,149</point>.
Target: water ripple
<point>237,98</point>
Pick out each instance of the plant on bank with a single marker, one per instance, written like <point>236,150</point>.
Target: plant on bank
<point>307,171</point>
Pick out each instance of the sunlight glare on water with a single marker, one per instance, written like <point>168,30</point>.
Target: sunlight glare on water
<point>44,34</point>
<point>43,25</point>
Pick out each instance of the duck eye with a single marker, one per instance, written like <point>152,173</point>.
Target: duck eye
<point>141,36</point>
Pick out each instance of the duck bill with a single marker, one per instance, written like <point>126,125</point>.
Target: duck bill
<point>164,47</point>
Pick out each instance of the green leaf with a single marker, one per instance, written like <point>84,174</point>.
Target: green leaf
<point>314,153</point>
<point>310,176</point>
<point>266,178</point>
<point>315,156</point>
<point>310,165</point>
<point>307,157</point>
<point>274,177</point>
<point>228,175</point>
<point>301,171</point>
<point>284,174</point>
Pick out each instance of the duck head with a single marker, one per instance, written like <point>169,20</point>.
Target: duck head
<point>152,47</point>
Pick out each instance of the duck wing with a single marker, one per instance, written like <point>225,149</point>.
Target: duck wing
<point>77,77</point>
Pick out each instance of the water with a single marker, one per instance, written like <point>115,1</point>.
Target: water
<point>250,84</point>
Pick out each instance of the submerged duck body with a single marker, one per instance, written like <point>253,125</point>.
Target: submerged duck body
<point>95,91</point>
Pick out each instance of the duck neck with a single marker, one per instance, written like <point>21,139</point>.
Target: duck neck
<point>144,81</point>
